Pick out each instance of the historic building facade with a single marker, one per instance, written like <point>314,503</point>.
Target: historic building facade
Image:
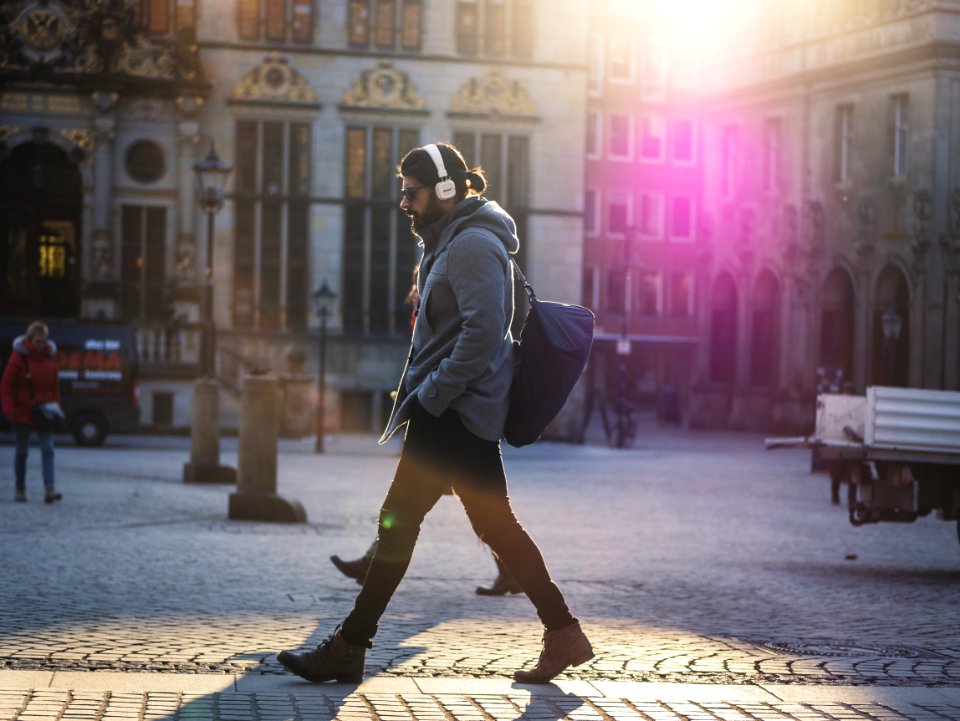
<point>831,187</point>
<point>107,106</point>
<point>642,200</point>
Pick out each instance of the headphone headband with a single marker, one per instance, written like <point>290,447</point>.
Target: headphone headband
<point>446,188</point>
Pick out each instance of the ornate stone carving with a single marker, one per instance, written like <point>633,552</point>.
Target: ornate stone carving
<point>274,81</point>
<point>383,88</point>
<point>189,105</point>
<point>90,36</point>
<point>104,101</point>
<point>81,138</point>
<point>494,96</point>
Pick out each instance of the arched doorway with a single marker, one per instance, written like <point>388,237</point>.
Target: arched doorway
<point>41,199</point>
<point>891,329</point>
<point>723,331</point>
<point>765,331</point>
<point>837,328</point>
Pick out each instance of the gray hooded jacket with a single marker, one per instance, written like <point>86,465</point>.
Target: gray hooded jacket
<point>461,356</point>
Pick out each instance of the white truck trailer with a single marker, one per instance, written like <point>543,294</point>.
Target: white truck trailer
<point>898,449</point>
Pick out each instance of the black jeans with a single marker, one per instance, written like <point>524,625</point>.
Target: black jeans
<point>440,453</point>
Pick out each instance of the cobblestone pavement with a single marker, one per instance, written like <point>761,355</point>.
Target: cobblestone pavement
<point>693,557</point>
<point>434,707</point>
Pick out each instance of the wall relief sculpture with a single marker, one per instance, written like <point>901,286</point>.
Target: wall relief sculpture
<point>274,81</point>
<point>383,88</point>
<point>493,96</point>
<point>90,37</point>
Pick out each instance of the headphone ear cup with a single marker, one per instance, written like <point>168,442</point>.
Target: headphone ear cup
<point>446,189</point>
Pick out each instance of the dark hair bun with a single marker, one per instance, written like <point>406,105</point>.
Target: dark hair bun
<point>476,180</point>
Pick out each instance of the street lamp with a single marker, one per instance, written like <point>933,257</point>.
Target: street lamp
<point>322,298</point>
<point>891,323</point>
<point>212,176</point>
<point>623,346</point>
<point>204,465</point>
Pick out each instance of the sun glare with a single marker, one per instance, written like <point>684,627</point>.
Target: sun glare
<point>699,25</point>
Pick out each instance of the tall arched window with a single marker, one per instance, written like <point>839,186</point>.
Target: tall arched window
<point>837,325</point>
<point>723,331</point>
<point>891,334</point>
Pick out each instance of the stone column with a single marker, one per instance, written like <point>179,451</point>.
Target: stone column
<point>204,465</point>
<point>256,498</point>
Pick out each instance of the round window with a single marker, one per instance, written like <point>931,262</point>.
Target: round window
<point>145,161</point>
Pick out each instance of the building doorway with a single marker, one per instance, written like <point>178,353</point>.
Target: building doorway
<point>837,329</point>
<point>41,199</point>
<point>891,329</point>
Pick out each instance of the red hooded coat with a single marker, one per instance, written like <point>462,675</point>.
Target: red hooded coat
<point>44,370</point>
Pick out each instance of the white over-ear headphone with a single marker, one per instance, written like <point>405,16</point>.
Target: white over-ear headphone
<point>446,188</point>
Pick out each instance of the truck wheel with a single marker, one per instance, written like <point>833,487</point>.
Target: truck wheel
<point>90,430</point>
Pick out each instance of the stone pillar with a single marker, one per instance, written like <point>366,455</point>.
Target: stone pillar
<point>103,247</point>
<point>256,498</point>
<point>204,465</point>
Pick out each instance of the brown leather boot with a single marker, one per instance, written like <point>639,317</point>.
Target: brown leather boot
<point>567,646</point>
<point>333,660</point>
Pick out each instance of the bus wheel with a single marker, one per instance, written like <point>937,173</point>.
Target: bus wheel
<point>90,430</point>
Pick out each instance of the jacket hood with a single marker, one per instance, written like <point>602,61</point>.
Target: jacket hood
<point>24,347</point>
<point>480,213</point>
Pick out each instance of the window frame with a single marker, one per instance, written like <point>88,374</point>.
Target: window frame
<point>615,197</point>
<point>596,58</point>
<point>672,139</point>
<point>629,126</point>
<point>265,200</point>
<point>843,143</point>
<point>475,43</point>
<point>658,232</point>
<point>261,20</point>
<point>691,219</point>
<point>630,76</point>
<point>596,141</point>
<point>373,14</point>
<point>641,274</point>
<point>654,118</point>
<point>900,125</point>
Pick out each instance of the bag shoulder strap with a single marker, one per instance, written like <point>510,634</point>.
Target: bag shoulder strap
<point>523,281</point>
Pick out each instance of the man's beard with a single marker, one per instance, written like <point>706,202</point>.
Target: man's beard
<point>431,214</point>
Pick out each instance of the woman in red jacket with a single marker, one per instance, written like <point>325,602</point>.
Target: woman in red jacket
<point>35,351</point>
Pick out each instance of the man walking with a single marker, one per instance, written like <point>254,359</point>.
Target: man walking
<point>453,399</point>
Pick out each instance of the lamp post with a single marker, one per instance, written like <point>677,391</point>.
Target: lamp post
<point>212,174</point>
<point>204,465</point>
<point>623,346</point>
<point>892,324</point>
<point>322,298</point>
